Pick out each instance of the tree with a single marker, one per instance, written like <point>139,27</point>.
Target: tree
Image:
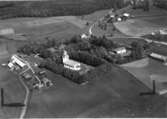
<point>137,50</point>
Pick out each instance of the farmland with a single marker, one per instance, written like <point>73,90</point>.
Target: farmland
<point>102,97</point>
<point>145,69</point>
<point>143,22</point>
<point>111,90</point>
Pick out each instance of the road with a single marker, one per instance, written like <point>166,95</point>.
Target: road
<point>26,100</point>
<point>145,39</point>
<point>109,12</point>
<point>91,27</point>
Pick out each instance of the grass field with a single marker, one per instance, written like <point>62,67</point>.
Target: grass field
<point>106,95</point>
<point>58,28</point>
<point>111,91</point>
<point>138,27</point>
<point>13,92</point>
<point>160,49</point>
<point>143,22</point>
<point>146,69</point>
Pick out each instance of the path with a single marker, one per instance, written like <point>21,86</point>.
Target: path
<point>26,100</point>
<point>109,12</point>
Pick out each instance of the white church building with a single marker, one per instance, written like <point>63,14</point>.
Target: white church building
<point>70,64</point>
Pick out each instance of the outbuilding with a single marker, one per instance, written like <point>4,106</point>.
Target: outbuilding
<point>159,57</point>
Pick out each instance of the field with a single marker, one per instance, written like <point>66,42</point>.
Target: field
<point>143,22</point>
<point>146,70</point>
<point>55,27</point>
<point>111,91</point>
<point>108,94</point>
<point>161,49</point>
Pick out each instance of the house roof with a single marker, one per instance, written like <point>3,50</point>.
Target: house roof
<point>18,60</point>
<point>71,62</point>
<point>119,49</point>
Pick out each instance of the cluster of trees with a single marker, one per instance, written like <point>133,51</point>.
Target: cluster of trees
<point>143,4</point>
<point>86,58</point>
<point>139,50</point>
<point>43,50</point>
<point>67,73</point>
<point>94,52</point>
<point>94,47</point>
<point>54,8</point>
<point>102,41</point>
<point>35,47</point>
<point>160,3</point>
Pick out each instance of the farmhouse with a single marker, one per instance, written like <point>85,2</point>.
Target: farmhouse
<point>27,70</point>
<point>120,50</point>
<point>16,62</point>
<point>70,64</point>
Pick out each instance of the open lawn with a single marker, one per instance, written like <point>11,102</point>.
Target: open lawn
<point>137,27</point>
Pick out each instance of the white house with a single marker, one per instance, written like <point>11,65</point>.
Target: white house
<point>119,19</point>
<point>16,60</point>
<point>120,50</point>
<point>84,36</point>
<point>70,64</point>
<point>126,14</point>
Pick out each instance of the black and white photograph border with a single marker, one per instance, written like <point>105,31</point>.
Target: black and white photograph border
<point>83,59</point>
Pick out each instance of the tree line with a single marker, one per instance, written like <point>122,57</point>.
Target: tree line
<point>9,9</point>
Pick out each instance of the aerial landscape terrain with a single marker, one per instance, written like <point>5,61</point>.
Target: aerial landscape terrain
<point>83,59</point>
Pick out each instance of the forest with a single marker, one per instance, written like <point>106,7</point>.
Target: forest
<point>10,9</point>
